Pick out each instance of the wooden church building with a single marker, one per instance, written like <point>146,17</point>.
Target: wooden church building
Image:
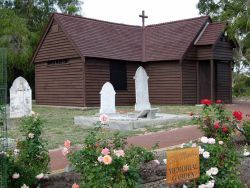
<point>186,61</point>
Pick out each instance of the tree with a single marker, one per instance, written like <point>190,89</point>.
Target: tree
<point>237,14</point>
<point>15,36</point>
<point>22,23</point>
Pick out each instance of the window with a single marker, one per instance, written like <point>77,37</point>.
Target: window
<point>58,61</point>
<point>118,75</point>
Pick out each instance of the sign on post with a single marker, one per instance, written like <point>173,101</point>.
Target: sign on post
<point>182,165</point>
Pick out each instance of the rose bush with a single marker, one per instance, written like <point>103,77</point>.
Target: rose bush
<point>220,168</point>
<point>106,162</point>
<point>29,161</point>
<point>218,156</point>
<point>217,122</point>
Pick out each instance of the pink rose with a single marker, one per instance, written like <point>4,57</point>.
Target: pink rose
<point>65,151</point>
<point>104,119</point>
<point>67,144</point>
<point>75,185</point>
<point>119,153</point>
<point>125,168</point>
<point>105,151</point>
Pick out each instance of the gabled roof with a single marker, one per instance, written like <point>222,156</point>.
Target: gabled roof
<point>211,34</point>
<point>169,41</point>
<point>102,39</point>
<point>166,41</point>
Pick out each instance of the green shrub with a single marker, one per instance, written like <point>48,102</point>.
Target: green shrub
<point>94,163</point>
<point>219,159</point>
<point>246,129</point>
<point>216,122</point>
<point>224,158</point>
<point>241,86</point>
<point>30,158</point>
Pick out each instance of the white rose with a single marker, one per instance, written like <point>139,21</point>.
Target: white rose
<point>246,153</point>
<point>16,151</point>
<point>201,150</point>
<point>40,176</point>
<point>206,154</point>
<point>214,170</point>
<point>99,159</point>
<point>221,142</point>
<point>210,184</point>
<point>24,186</point>
<point>32,113</point>
<point>15,175</point>
<point>211,141</point>
<point>202,186</point>
<point>31,135</point>
<point>204,139</point>
<point>209,173</point>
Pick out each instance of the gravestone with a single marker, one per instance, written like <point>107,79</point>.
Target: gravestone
<point>20,98</point>
<point>107,99</point>
<point>141,90</point>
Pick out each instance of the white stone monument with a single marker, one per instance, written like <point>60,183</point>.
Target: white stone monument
<point>107,99</point>
<point>20,98</point>
<point>141,90</point>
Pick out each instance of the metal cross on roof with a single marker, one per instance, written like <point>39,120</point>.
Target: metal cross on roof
<point>143,16</point>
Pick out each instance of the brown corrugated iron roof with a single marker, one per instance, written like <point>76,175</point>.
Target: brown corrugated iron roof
<point>102,39</point>
<point>166,41</point>
<point>211,34</point>
<point>169,41</point>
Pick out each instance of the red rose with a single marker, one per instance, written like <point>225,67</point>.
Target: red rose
<point>224,129</point>
<point>216,125</point>
<point>237,115</point>
<point>218,101</point>
<point>206,101</point>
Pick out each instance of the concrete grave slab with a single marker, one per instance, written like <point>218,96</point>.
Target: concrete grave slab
<point>128,122</point>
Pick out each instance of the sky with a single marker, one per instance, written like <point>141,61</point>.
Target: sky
<point>127,11</point>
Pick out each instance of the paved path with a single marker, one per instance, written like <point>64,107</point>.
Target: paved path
<point>165,139</point>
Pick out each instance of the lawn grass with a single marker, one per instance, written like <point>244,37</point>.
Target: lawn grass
<point>59,126</point>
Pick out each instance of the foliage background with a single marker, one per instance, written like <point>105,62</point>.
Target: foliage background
<point>237,14</point>
<point>22,24</point>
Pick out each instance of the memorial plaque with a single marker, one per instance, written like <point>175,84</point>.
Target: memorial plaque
<point>182,165</point>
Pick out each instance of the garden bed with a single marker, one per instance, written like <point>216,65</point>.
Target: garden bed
<point>152,174</point>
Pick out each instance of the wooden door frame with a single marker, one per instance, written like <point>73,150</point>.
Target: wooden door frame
<point>212,79</point>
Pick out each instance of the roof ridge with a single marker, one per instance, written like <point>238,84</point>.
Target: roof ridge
<point>182,20</point>
<point>93,19</point>
<point>215,23</point>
